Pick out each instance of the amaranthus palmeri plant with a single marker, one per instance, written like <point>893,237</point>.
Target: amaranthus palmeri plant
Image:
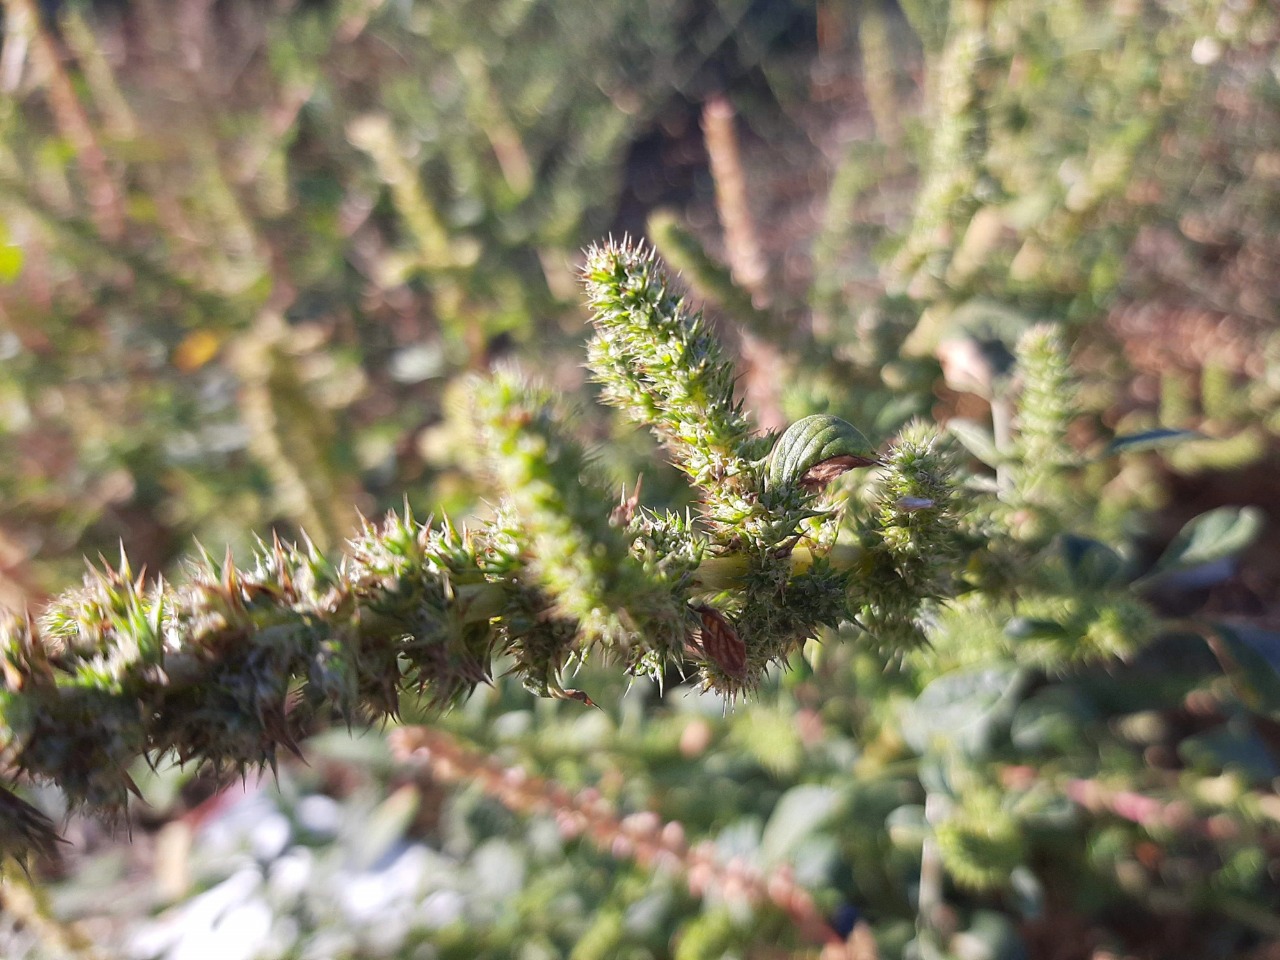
<point>227,668</point>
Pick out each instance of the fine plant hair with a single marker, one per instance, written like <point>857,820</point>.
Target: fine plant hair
<point>226,669</point>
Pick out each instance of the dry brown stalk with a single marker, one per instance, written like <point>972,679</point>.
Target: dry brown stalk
<point>747,264</point>
<point>100,79</point>
<point>104,195</point>
<point>741,241</point>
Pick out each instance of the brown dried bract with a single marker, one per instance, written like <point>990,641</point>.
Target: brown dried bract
<point>721,644</point>
<point>625,511</point>
<point>820,474</point>
<point>569,693</point>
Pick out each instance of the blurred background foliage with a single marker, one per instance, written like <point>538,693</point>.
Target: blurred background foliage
<point>249,249</point>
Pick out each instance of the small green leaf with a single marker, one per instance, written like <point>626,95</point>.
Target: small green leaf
<point>386,825</point>
<point>1148,440</point>
<point>1031,628</point>
<point>1250,658</point>
<point>1028,892</point>
<point>977,439</point>
<point>907,827</point>
<point>1234,746</point>
<point>1212,536</point>
<point>1091,565</point>
<point>991,936</point>
<point>499,867</point>
<point>815,450</point>
<point>964,711</point>
<point>800,811</point>
<point>1052,720</point>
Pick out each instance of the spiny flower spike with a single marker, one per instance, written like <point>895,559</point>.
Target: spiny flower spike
<point>230,666</point>
<point>911,540</point>
<point>632,612</point>
<point>660,364</point>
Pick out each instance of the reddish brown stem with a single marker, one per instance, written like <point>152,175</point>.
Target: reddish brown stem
<point>642,837</point>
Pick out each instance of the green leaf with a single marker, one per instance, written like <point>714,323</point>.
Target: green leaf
<point>1212,536</point>
<point>499,867</point>
<point>1091,564</point>
<point>1028,892</point>
<point>1148,440</point>
<point>977,439</point>
<point>907,827</point>
<point>800,812</point>
<point>963,712</point>
<point>814,450</point>
<point>1250,658</point>
<point>1053,721</point>
<point>1031,628</point>
<point>386,825</point>
<point>991,936</point>
<point>1234,746</point>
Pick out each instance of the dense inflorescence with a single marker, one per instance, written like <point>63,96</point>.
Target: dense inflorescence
<point>662,366</point>
<point>233,665</point>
